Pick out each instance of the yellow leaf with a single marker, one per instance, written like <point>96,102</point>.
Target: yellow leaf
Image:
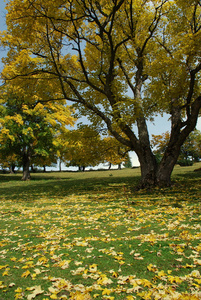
<point>5,273</point>
<point>53,296</point>
<point>26,274</point>
<point>18,296</point>
<point>3,267</point>
<point>188,266</point>
<point>174,279</point>
<point>161,273</point>
<point>106,292</point>
<point>18,290</point>
<point>36,291</point>
<point>80,296</point>
<point>13,258</point>
<point>147,283</point>
<point>33,276</point>
<point>93,268</point>
<point>115,274</point>
<point>198,262</point>
<point>2,286</point>
<point>198,280</point>
<point>52,290</point>
<point>152,268</point>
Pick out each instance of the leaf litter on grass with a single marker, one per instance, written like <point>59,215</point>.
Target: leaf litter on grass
<point>101,246</point>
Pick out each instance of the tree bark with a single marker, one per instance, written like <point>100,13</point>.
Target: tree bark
<point>26,165</point>
<point>166,166</point>
<point>60,162</point>
<point>148,163</point>
<point>179,132</point>
<point>32,169</point>
<point>12,169</point>
<point>148,166</point>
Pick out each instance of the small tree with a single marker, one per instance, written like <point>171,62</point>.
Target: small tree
<point>8,161</point>
<point>28,128</point>
<point>128,163</point>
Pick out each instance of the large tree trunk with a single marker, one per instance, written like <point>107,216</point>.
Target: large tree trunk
<point>26,165</point>
<point>148,167</point>
<point>179,132</point>
<point>148,163</point>
<point>166,167</point>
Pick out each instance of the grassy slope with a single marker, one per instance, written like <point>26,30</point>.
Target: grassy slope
<point>89,236</point>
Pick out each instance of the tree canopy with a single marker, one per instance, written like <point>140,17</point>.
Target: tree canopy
<point>86,147</point>
<point>119,62</point>
<point>29,129</point>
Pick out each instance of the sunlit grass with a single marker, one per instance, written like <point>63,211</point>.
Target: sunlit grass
<point>92,236</point>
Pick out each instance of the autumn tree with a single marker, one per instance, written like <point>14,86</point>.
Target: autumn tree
<point>114,152</point>
<point>8,161</point>
<point>83,149</point>
<point>28,128</point>
<point>190,150</point>
<point>159,144</point>
<point>86,147</point>
<point>121,62</point>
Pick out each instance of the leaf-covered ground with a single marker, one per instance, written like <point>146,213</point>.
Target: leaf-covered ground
<point>98,239</point>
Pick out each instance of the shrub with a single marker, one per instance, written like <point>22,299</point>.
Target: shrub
<point>185,162</point>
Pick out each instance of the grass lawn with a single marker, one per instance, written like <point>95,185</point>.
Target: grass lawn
<point>89,235</point>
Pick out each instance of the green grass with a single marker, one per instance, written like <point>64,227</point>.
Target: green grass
<point>90,235</point>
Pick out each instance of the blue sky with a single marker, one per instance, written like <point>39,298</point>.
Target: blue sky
<point>2,25</point>
<point>160,125</point>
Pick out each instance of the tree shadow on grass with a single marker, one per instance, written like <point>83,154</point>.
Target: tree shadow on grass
<point>52,187</point>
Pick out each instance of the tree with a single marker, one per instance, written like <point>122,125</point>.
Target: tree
<point>190,150</point>
<point>8,161</point>
<point>114,152</point>
<point>121,62</point>
<point>159,144</point>
<point>128,163</point>
<point>84,148</point>
<point>28,129</point>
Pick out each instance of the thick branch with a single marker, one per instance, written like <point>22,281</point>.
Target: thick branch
<point>103,116</point>
<point>191,88</point>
